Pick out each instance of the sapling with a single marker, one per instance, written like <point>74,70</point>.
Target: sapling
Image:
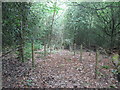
<point>32,44</point>
<point>74,48</point>
<point>44,49</point>
<point>70,48</point>
<point>81,52</point>
<point>118,70</point>
<point>96,64</point>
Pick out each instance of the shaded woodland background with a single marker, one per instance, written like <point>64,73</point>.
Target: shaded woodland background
<point>49,26</point>
<point>90,24</point>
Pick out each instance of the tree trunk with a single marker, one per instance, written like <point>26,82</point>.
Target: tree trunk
<point>70,47</point>
<point>32,47</point>
<point>52,27</point>
<point>74,48</point>
<point>112,28</point>
<point>21,42</point>
<point>45,48</point>
<point>96,64</point>
<point>81,52</point>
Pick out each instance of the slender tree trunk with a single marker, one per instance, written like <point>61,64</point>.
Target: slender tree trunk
<point>111,42</point>
<point>32,47</point>
<point>52,28</point>
<point>21,42</point>
<point>96,64</point>
<point>81,52</point>
<point>45,48</point>
<point>70,47</point>
<point>22,53</point>
<point>119,61</point>
<point>112,28</point>
<point>74,48</point>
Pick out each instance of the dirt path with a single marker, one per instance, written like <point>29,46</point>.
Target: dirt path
<point>59,70</point>
<point>63,69</point>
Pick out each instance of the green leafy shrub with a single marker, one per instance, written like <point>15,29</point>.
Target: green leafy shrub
<point>28,51</point>
<point>37,46</point>
<point>113,86</point>
<point>105,66</point>
<point>116,62</point>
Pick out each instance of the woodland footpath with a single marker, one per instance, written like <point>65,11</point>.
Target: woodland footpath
<point>59,44</point>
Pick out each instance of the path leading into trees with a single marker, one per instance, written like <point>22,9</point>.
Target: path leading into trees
<point>60,69</point>
<point>63,69</point>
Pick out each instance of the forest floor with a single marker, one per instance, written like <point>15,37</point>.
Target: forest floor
<point>61,69</point>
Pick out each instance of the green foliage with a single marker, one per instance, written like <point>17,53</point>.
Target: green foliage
<point>23,22</point>
<point>116,61</point>
<point>29,82</point>
<point>114,71</point>
<point>105,66</point>
<point>84,25</point>
<point>12,13</point>
<point>37,46</point>
<point>27,49</point>
<point>115,57</point>
<point>98,73</point>
<point>113,86</point>
<point>67,43</point>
